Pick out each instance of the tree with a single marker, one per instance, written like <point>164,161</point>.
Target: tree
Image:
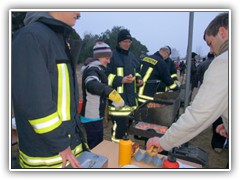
<point>175,54</point>
<point>89,41</point>
<point>17,20</point>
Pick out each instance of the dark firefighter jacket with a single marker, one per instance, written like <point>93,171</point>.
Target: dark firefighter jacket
<point>173,73</point>
<point>123,63</point>
<point>172,68</point>
<point>45,92</point>
<point>154,71</point>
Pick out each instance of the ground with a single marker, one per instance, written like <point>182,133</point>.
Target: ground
<point>203,141</point>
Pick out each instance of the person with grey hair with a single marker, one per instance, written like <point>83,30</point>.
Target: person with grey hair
<point>211,100</point>
<point>45,90</point>
<point>156,75</point>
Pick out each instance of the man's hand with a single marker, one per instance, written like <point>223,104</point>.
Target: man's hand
<point>154,142</point>
<point>128,79</point>
<point>221,130</point>
<point>67,155</point>
<point>139,82</point>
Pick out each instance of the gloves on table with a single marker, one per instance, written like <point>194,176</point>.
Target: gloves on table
<point>116,99</point>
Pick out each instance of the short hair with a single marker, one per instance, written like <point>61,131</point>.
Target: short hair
<point>219,21</point>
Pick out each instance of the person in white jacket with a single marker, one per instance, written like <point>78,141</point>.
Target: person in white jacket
<point>211,100</point>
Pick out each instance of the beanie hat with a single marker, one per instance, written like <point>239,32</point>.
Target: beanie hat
<point>124,34</point>
<point>101,49</point>
<point>193,55</point>
<point>168,48</point>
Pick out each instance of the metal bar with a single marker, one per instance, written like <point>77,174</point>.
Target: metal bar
<point>153,81</point>
<point>188,57</point>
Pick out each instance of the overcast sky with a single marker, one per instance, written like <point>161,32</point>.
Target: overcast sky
<point>152,29</point>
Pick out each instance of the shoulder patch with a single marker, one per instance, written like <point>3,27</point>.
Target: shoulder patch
<point>150,60</point>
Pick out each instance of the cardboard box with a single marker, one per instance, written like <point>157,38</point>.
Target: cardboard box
<point>91,160</point>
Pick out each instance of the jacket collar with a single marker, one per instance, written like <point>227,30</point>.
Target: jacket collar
<point>122,51</point>
<point>158,54</point>
<point>57,26</point>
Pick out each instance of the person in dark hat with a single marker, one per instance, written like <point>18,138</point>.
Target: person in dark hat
<point>203,66</point>
<point>123,35</point>
<point>123,76</point>
<point>96,91</point>
<point>194,78</point>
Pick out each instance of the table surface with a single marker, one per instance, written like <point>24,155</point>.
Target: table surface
<point>110,150</point>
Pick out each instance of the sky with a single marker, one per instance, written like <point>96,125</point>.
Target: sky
<point>95,23</point>
<point>153,29</point>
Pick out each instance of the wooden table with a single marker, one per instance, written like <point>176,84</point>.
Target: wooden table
<point>110,150</point>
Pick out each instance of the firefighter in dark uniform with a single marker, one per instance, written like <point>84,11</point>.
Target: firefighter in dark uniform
<point>171,65</point>
<point>156,76</point>
<point>123,76</point>
<point>45,90</point>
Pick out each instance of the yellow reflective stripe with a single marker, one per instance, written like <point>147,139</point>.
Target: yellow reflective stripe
<point>126,108</point>
<point>159,92</point>
<point>110,79</point>
<point>120,73</point>
<point>114,113</point>
<point>31,162</point>
<point>63,92</point>
<point>122,112</point>
<point>150,60</point>
<point>45,162</point>
<point>113,138</point>
<point>166,89</point>
<point>174,75</point>
<point>138,75</point>
<point>173,86</point>
<point>141,66</point>
<point>146,97</point>
<point>46,124</point>
<point>145,78</point>
<point>142,100</point>
<point>135,81</point>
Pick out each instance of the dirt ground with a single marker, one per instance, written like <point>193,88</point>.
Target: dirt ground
<point>203,141</point>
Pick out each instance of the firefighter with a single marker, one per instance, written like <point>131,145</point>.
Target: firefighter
<point>156,76</point>
<point>123,76</point>
<point>171,65</point>
<point>45,90</point>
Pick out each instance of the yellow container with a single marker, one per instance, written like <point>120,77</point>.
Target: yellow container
<point>125,151</point>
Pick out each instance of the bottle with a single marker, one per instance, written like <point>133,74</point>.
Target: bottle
<point>80,104</point>
<point>125,151</point>
<point>170,162</point>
